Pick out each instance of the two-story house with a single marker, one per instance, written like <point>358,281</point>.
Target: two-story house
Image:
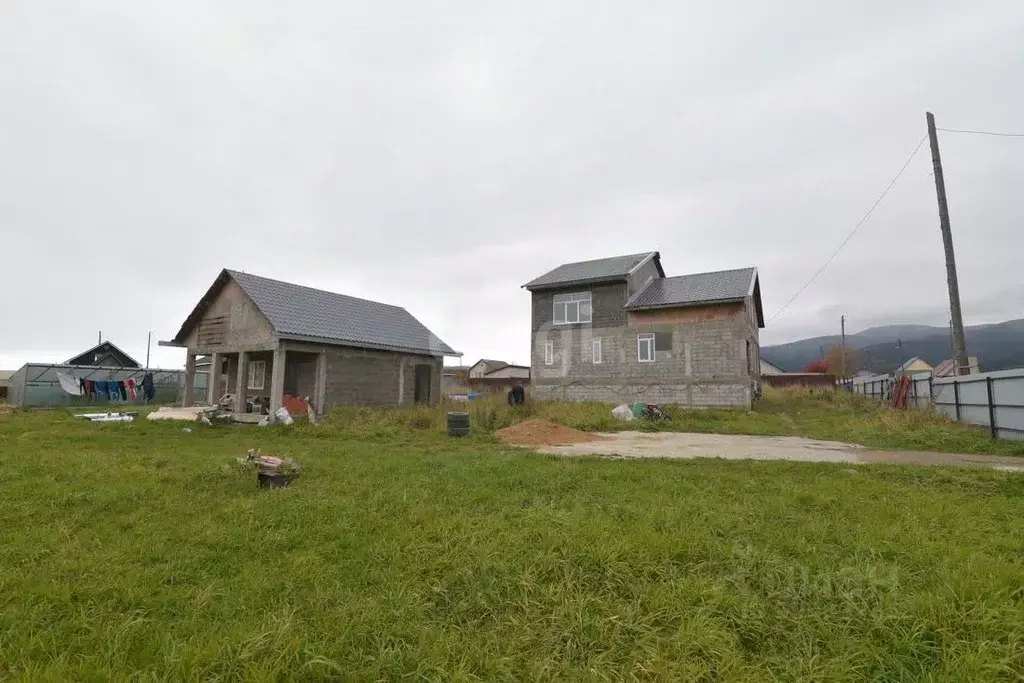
<point>617,330</point>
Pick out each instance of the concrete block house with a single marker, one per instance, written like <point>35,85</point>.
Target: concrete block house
<point>618,330</point>
<point>272,338</point>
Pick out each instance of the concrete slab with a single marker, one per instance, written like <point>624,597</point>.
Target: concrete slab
<point>744,447</point>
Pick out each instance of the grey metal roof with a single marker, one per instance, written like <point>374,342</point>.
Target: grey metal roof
<point>297,311</point>
<point>590,271</point>
<point>687,290</point>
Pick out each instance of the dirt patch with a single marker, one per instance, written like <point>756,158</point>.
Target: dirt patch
<point>537,432</point>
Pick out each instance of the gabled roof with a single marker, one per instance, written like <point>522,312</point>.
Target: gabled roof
<point>910,361</point>
<point>947,368</point>
<point>600,270</point>
<point>307,314</point>
<point>490,362</point>
<point>699,289</point>
<point>87,357</point>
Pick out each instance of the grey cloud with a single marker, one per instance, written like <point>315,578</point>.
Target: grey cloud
<point>439,157</point>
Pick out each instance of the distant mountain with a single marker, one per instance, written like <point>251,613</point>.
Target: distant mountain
<point>882,349</point>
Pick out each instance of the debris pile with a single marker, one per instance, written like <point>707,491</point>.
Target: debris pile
<point>537,432</point>
<point>269,464</point>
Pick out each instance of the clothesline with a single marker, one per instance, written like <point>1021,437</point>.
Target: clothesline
<point>112,389</point>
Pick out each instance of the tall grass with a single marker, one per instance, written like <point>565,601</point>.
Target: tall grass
<point>140,552</point>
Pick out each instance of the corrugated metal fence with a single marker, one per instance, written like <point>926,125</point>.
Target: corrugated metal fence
<point>993,399</point>
<point>35,385</point>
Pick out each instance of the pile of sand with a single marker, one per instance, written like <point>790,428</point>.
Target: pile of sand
<point>543,433</point>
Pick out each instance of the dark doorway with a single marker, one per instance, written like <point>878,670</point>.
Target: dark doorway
<point>422,385</point>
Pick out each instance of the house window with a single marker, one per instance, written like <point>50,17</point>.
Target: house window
<point>549,353</point>
<point>257,374</point>
<point>645,347</point>
<point>595,350</point>
<point>572,308</point>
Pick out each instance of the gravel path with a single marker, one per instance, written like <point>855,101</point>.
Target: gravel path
<point>739,447</point>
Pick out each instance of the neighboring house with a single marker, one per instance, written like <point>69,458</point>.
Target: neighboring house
<point>774,376</point>
<point>911,366</point>
<point>5,381</point>
<point>453,377</point>
<point>278,338</point>
<point>947,368</point>
<point>104,355</point>
<point>480,368</point>
<point>520,372</point>
<point>618,330</point>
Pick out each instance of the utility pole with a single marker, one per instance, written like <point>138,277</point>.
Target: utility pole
<point>149,341</point>
<point>957,320</point>
<point>842,346</point>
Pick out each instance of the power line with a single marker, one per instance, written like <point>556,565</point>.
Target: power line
<point>982,132</point>
<point>861,222</point>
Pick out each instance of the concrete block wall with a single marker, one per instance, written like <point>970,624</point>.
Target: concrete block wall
<point>365,377</point>
<point>705,366</point>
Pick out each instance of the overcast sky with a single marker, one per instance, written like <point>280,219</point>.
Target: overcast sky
<point>439,155</point>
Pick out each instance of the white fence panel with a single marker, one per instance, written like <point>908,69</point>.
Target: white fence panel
<point>992,399</point>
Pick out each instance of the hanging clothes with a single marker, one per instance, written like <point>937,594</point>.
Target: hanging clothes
<point>88,388</point>
<point>129,385</point>
<point>99,387</point>
<point>69,384</point>
<point>148,388</point>
<point>112,391</point>
<point>122,390</point>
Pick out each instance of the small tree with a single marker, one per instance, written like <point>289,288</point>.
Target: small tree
<point>836,366</point>
<point>816,366</point>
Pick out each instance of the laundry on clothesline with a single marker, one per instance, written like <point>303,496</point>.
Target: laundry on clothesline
<point>110,389</point>
<point>70,384</point>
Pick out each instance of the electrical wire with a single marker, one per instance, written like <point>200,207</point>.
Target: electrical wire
<point>861,222</point>
<point>982,132</point>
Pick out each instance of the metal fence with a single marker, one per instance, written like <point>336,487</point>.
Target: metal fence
<point>994,400</point>
<point>35,385</point>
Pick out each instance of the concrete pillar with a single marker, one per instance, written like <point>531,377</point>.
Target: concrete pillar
<point>241,381</point>
<point>320,399</point>
<point>277,379</point>
<point>213,383</point>
<point>401,379</point>
<point>190,379</point>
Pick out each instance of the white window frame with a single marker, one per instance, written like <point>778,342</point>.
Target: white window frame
<point>595,351</point>
<point>254,375</point>
<point>549,353</point>
<point>645,339</point>
<point>572,308</point>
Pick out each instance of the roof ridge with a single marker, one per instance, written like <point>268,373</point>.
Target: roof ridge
<point>710,272</point>
<point>235,273</point>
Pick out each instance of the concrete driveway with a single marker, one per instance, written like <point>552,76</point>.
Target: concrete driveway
<point>739,447</point>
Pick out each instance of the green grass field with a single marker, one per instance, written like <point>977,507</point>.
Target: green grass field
<point>139,552</point>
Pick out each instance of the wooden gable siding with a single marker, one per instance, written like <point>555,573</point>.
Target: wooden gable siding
<point>231,322</point>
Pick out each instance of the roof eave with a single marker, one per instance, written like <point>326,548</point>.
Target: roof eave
<point>446,352</point>
<point>530,287</point>
<point>686,304</point>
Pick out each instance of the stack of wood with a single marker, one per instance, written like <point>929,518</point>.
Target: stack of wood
<point>270,464</point>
